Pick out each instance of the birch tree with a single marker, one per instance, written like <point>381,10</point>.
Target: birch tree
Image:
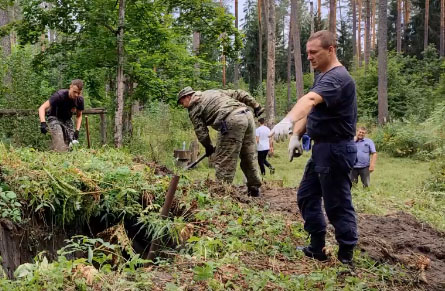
<point>120,77</point>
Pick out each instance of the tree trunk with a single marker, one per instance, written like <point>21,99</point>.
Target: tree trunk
<point>14,15</point>
<point>382,63</point>
<point>236,67</point>
<point>223,63</point>
<point>359,33</point>
<point>120,77</point>
<point>195,49</point>
<point>427,16</point>
<point>270,88</point>
<point>442,29</point>
<point>289,65</point>
<point>319,10</point>
<point>260,46</point>
<point>332,16</point>
<point>367,33</point>
<point>312,32</point>
<point>373,24</point>
<point>5,42</point>
<point>354,31</point>
<point>223,57</point>
<point>407,10</point>
<point>399,26</point>
<point>295,19</point>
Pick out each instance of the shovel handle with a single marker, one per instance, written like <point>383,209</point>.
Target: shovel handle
<point>192,165</point>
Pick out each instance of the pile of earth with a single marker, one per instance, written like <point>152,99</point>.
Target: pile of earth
<point>397,238</point>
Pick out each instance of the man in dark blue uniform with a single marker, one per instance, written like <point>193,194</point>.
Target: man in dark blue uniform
<point>328,114</point>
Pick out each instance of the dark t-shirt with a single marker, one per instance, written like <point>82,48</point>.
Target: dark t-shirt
<point>62,106</point>
<point>335,118</point>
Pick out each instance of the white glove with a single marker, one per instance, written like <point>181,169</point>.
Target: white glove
<point>295,149</point>
<point>282,129</point>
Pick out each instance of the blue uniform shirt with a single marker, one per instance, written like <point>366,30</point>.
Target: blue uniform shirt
<point>335,118</point>
<point>365,147</point>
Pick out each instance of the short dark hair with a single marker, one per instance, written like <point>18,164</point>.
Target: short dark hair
<point>363,128</point>
<point>78,83</point>
<point>326,37</point>
<point>261,120</point>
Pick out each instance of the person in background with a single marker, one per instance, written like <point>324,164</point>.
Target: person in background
<point>366,158</point>
<point>61,106</point>
<point>227,112</point>
<point>264,145</point>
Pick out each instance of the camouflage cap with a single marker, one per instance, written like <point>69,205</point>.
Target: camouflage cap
<point>184,92</point>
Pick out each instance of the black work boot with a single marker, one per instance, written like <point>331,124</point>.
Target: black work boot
<point>315,249</point>
<point>272,170</point>
<point>253,191</point>
<point>345,254</point>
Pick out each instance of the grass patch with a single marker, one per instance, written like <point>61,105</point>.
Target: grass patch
<point>397,184</point>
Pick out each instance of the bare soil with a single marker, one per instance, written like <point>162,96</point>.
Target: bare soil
<point>397,238</point>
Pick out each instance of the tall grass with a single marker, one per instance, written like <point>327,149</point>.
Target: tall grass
<point>160,129</point>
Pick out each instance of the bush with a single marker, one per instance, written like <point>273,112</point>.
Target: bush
<point>159,130</point>
<point>410,86</point>
<point>437,180</point>
<point>420,140</point>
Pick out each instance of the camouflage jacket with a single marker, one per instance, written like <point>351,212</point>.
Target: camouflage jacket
<point>211,107</point>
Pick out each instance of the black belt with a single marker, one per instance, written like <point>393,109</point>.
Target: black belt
<point>332,140</point>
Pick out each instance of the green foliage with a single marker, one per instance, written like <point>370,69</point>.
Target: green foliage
<point>10,207</point>
<point>159,130</point>
<point>422,140</point>
<point>436,182</point>
<point>76,186</point>
<point>411,84</point>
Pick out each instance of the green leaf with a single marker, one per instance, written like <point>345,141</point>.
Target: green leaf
<point>11,195</point>
<point>203,273</point>
<point>90,255</point>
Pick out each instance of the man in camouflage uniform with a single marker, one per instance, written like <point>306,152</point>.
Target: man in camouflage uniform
<point>227,112</point>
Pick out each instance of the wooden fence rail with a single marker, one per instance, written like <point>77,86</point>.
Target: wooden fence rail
<point>87,111</point>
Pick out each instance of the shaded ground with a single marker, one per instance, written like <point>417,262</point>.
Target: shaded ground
<point>395,238</point>
<point>400,238</point>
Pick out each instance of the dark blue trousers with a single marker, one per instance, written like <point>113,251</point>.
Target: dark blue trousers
<point>327,177</point>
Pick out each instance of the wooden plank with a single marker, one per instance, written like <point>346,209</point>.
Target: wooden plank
<point>35,111</point>
<point>103,128</point>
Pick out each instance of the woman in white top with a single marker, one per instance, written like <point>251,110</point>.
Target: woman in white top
<point>264,144</point>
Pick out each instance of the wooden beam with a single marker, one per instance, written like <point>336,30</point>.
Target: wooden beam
<point>35,112</point>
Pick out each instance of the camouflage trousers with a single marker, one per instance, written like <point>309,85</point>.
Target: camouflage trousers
<point>62,133</point>
<point>238,141</point>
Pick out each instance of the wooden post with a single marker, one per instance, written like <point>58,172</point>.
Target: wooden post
<point>194,148</point>
<point>164,213</point>
<point>103,128</point>
<point>88,131</point>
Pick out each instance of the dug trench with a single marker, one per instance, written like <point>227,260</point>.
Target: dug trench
<point>21,243</point>
<point>397,238</point>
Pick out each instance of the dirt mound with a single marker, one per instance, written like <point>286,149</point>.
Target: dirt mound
<point>396,239</point>
<point>400,238</point>
<point>159,169</point>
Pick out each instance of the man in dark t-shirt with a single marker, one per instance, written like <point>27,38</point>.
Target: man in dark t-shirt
<point>328,114</point>
<point>61,106</point>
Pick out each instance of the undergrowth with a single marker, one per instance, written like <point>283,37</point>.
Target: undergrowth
<point>221,243</point>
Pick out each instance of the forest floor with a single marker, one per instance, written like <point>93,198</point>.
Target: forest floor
<point>227,240</point>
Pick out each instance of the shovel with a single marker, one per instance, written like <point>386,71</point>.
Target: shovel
<point>192,165</point>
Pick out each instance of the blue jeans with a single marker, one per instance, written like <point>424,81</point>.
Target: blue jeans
<point>326,177</point>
